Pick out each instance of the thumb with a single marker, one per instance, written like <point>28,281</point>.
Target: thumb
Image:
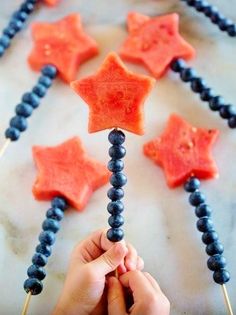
<point>110,260</point>
<point>115,297</point>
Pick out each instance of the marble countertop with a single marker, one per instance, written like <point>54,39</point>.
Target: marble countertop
<point>158,221</point>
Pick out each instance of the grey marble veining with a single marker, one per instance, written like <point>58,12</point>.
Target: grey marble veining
<point>159,221</point>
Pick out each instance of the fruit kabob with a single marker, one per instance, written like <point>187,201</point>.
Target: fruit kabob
<point>59,49</point>
<point>17,21</point>
<point>115,97</point>
<point>67,176</point>
<point>184,153</point>
<point>156,44</point>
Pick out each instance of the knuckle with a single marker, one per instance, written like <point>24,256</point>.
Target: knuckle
<point>108,260</point>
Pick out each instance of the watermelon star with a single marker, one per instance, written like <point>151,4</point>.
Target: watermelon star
<point>67,171</point>
<point>183,151</point>
<point>62,44</point>
<point>154,42</point>
<point>115,96</point>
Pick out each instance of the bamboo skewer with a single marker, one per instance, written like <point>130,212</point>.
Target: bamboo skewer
<point>26,304</point>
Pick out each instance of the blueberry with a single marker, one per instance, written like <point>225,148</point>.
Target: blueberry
<point>118,179</point>
<point>178,65</point>
<point>232,122</point>
<point>209,237</point>
<point>55,213</point>
<point>47,237</point>
<point>196,198</point>
<point>51,225</point>
<point>198,85</point>
<point>210,10</point>
<point>187,74</point>
<point>191,3</point>
<point>115,165</point>
<point>10,32</point>
<point>45,81</point>
<point>216,17</point>
<point>216,262</point>
<point>116,137</point>
<point>60,203</point>
<point>221,276</point>
<point>201,5</point>
<point>36,272</point>
<point>115,193</point>
<point>2,50</point>
<point>16,25</point>
<point>216,103</point>
<point>24,110</point>
<point>27,7</point>
<point>214,248</point>
<point>204,224</point>
<point>31,99</point>
<point>116,221</point>
<point>12,133</point>
<point>49,71</point>
<point>224,23</point>
<point>19,122</point>
<point>39,259</point>
<point>40,90</point>
<point>5,41</point>
<point>207,94</point>
<point>227,111</point>
<point>115,234</point>
<point>115,207</point>
<point>192,184</point>
<point>33,285</point>
<point>203,210</point>
<point>117,152</point>
<point>44,249</point>
<point>20,15</point>
<point>231,30</point>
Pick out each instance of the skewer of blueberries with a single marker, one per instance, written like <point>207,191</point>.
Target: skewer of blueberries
<point>198,85</point>
<point>16,23</point>
<point>212,13</point>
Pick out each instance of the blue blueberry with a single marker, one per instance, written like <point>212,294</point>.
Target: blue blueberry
<point>44,249</point>
<point>19,122</point>
<point>204,224</point>
<point>115,234</point>
<point>36,272</point>
<point>224,23</point>
<point>33,285</point>
<point>214,248</point>
<point>216,262</point>
<point>117,152</point>
<point>201,5</point>
<point>116,221</point>
<point>210,10</point>
<point>191,3</point>
<point>198,85</point>
<point>192,184</point>
<point>49,71</point>
<point>31,99</point>
<point>216,103</point>
<point>24,110</point>
<point>215,17</point>
<point>45,81</point>
<point>178,65</point>
<point>209,237</point>
<point>60,203</point>
<point>115,165</point>
<point>221,276</point>
<point>39,259</point>
<point>232,122</point>
<point>115,193</point>
<point>16,25</point>
<point>115,207</point>
<point>2,50</point>
<point>10,32</point>
<point>20,15</point>
<point>207,94</point>
<point>118,179</point>
<point>116,137</point>
<point>40,90</point>
<point>227,111</point>
<point>51,225</point>
<point>231,29</point>
<point>27,7</point>
<point>203,210</point>
<point>5,41</point>
<point>55,213</point>
<point>187,74</point>
<point>47,237</point>
<point>12,133</point>
<point>196,198</point>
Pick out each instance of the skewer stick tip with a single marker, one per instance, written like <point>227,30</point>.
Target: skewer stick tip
<point>227,300</point>
<point>4,147</point>
<point>26,304</point>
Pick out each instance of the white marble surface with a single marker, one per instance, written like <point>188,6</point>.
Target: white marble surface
<point>158,221</point>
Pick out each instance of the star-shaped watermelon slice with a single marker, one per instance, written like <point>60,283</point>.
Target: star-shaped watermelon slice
<point>67,171</point>
<point>183,151</point>
<point>63,44</point>
<point>154,42</point>
<point>51,2</point>
<point>115,96</point>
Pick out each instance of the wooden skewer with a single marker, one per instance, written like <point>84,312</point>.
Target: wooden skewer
<point>4,147</point>
<point>26,304</point>
<point>227,301</point>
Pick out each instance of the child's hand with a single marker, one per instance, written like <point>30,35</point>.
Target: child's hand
<point>147,295</point>
<point>91,261</point>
